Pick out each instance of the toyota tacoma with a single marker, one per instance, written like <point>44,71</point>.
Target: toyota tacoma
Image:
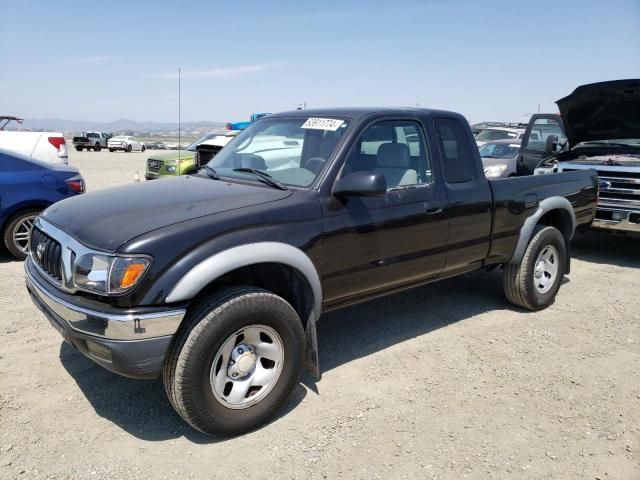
<point>215,281</point>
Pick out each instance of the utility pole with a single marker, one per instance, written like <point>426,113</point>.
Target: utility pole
<point>179,110</point>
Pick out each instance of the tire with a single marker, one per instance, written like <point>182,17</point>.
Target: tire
<point>221,320</point>
<point>112,150</point>
<point>532,284</point>
<point>143,148</point>
<point>17,227</point>
<point>128,149</point>
<point>96,148</point>
<point>79,149</point>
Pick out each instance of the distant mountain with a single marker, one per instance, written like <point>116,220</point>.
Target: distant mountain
<point>57,124</point>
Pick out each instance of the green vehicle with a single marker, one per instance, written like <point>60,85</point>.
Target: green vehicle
<point>184,162</point>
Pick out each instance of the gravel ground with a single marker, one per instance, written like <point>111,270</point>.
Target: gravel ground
<point>444,381</point>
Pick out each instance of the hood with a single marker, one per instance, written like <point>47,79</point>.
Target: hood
<point>108,218</point>
<point>602,111</point>
<point>173,155</point>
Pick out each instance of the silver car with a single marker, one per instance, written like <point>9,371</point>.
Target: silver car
<point>499,158</point>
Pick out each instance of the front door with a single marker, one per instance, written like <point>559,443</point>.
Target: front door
<point>378,243</point>
<point>533,146</point>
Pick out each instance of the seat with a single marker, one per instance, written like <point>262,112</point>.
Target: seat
<point>394,162</point>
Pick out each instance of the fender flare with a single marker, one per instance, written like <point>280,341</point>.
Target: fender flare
<point>231,259</point>
<point>546,205</point>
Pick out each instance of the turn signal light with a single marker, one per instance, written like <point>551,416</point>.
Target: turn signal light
<point>131,274</point>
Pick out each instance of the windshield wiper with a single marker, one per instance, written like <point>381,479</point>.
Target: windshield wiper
<point>211,173</point>
<point>266,178</point>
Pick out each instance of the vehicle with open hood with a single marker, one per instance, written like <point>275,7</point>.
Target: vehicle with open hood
<point>215,281</point>
<point>598,128</point>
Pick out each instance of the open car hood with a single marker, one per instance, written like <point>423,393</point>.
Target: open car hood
<point>602,111</point>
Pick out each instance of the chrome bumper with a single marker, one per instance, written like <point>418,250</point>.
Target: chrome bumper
<point>103,324</point>
<point>623,225</point>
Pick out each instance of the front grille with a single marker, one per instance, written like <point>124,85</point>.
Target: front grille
<point>47,253</point>
<point>206,154</point>
<point>617,188</point>
<point>154,165</point>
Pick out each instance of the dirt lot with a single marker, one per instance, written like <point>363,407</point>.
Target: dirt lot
<point>445,381</point>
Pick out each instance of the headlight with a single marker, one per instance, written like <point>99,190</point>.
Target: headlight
<point>103,274</point>
<point>172,169</point>
<point>494,170</point>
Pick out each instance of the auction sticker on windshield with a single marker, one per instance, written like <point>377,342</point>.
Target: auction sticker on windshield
<point>323,124</point>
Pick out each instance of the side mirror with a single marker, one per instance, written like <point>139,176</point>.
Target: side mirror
<point>551,144</point>
<point>360,184</point>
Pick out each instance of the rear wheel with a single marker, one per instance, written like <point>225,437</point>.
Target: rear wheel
<point>143,148</point>
<point>18,232</point>
<point>535,281</point>
<point>79,149</point>
<point>112,150</point>
<point>128,148</point>
<point>96,148</point>
<point>235,362</point>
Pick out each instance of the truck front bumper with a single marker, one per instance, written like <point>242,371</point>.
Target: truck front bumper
<point>131,342</point>
<point>609,218</point>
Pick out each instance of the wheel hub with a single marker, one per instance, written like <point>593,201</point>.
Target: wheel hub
<point>243,361</point>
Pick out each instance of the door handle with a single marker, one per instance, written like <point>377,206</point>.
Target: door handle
<point>433,208</point>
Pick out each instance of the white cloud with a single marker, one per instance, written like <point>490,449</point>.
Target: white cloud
<point>220,72</point>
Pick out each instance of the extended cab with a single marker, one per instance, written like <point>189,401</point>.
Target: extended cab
<point>598,129</point>
<point>216,281</point>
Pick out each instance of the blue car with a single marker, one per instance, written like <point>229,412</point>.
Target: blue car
<point>27,187</point>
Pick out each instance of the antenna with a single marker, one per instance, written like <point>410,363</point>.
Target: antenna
<point>179,111</point>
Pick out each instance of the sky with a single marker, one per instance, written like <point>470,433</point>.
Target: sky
<point>489,60</point>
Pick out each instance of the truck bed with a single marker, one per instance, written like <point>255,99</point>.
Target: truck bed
<point>517,198</point>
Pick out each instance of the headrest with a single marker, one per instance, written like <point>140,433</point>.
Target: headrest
<point>394,155</point>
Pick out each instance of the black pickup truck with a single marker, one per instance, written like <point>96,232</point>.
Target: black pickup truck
<point>215,281</point>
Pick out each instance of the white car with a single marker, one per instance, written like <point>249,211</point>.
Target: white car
<point>125,143</point>
<point>498,133</point>
<point>50,147</point>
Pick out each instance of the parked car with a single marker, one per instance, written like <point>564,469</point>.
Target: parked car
<point>216,281</point>
<point>126,144</point>
<point>499,158</point>
<point>154,145</point>
<point>598,129</point>
<point>498,133</point>
<point>91,141</point>
<point>27,187</point>
<point>50,147</point>
<point>184,162</point>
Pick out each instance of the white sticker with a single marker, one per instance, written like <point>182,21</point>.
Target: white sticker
<point>514,145</point>
<point>323,124</point>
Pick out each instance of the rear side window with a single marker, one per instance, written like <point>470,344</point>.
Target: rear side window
<point>455,150</point>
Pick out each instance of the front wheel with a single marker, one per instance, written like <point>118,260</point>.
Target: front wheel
<point>235,362</point>
<point>112,150</point>
<point>97,147</point>
<point>128,148</point>
<point>143,148</point>
<point>78,149</point>
<point>535,281</point>
<point>18,232</point>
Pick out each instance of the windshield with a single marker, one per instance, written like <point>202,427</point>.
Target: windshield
<point>292,150</point>
<point>499,150</point>
<point>495,134</point>
<point>204,138</point>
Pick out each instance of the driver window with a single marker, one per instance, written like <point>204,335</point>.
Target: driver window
<point>394,148</point>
